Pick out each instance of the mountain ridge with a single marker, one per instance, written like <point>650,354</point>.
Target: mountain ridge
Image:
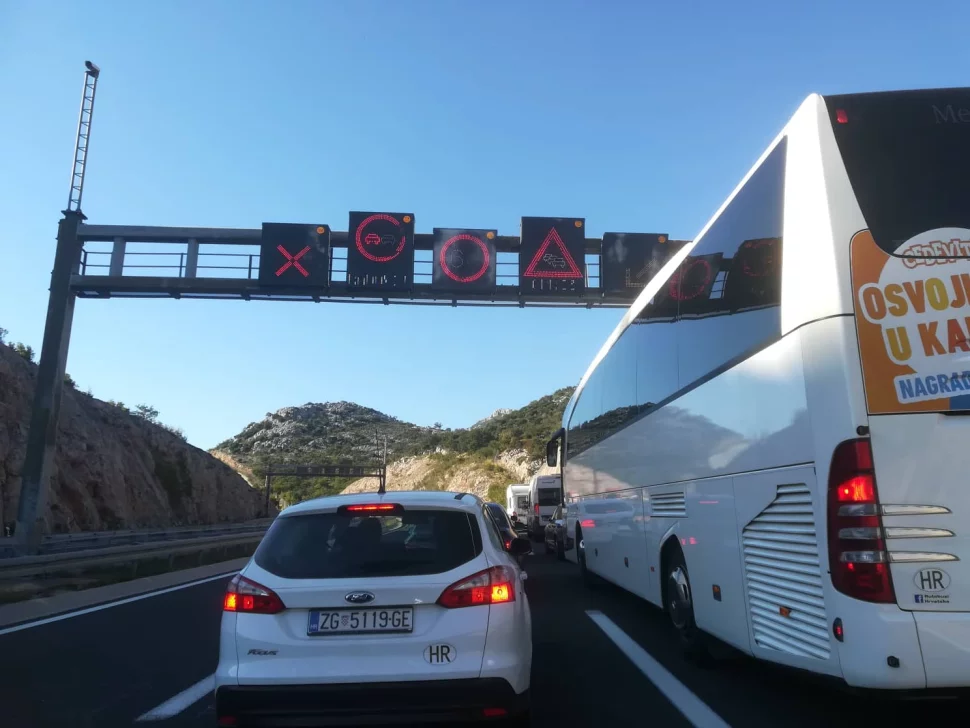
<point>505,447</point>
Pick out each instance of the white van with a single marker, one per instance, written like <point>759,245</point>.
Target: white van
<point>545,493</point>
<point>517,502</point>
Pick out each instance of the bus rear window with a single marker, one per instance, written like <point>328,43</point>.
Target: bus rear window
<point>907,155</point>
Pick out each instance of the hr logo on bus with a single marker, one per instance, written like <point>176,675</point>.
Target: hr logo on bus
<point>931,580</point>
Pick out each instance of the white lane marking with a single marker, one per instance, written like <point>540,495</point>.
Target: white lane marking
<point>186,698</point>
<point>106,605</point>
<point>692,707</point>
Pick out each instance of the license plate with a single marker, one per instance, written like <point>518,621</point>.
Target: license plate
<point>360,621</point>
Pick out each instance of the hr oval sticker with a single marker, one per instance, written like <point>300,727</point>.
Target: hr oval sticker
<point>932,580</point>
<point>441,654</point>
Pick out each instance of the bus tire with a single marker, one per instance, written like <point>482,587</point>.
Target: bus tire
<point>589,578</point>
<point>679,605</point>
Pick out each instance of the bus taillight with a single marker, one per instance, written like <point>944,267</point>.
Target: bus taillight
<point>857,548</point>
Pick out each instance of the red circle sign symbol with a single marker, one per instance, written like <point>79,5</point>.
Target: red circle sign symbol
<point>683,288</point>
<point>360,239</point>
<point>443,259</point>
<point>760,260</point>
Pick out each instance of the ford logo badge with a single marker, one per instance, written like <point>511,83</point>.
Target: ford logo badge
<point>359,597</point>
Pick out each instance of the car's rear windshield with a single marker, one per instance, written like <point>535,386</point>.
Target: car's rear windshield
<point>907,154</point>
<point>523,501</point>
<point>332,546</point>
<point>549,496</point>
<point>498,513</point>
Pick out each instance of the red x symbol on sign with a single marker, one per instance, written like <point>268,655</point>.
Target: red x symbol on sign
<point>293,260</point>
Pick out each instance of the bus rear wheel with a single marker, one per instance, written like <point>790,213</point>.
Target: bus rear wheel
<point>679,605</point>
<point>589,579</point>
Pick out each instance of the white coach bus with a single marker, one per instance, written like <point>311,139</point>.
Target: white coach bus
<point>773,445</point>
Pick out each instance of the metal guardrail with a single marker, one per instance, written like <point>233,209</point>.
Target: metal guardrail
<point>20,567</point>
<point>69,543</point>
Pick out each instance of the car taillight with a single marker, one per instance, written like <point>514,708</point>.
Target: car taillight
<point>245,595</point>
<point>536,506</point>
<point>508,544</point>
<point>492,586</point>
<point>857,548</point>
<point>588,523</point>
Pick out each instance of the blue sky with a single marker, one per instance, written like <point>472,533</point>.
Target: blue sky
<point>636,115</point>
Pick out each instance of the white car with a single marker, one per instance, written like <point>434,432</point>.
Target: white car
<point>399,608</point>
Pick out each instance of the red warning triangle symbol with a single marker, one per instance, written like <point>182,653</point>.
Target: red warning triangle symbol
<point>557,263</point>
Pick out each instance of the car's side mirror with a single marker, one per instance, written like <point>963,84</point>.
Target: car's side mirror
<point>552,453</point>
<point>520,546</point>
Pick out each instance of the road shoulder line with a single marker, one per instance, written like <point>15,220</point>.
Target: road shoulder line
<point>185,699</point>
<point>16,613</point>
<point>692,707</point>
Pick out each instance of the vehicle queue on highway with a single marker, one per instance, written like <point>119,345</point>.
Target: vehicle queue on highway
<point>717,459</point>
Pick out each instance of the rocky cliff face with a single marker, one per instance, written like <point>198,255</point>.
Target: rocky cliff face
<point>113,469</point>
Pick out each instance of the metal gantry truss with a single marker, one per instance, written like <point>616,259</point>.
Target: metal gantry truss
<point>187,270</point>
<point>339,470</point>
<point>83,137</point>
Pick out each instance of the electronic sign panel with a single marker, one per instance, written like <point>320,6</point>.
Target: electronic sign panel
<point>380,251</point>
<point>754,277</point>
<point>464,260</point>
<point>688,291</point>
<point>552,255</point>
<point>693,284</point>
<point>293,255</point>
<point>630,260</point>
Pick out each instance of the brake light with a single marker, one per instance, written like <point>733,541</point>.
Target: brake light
<point>508,545</point>
<point>536,506</point>
<point>858,558</point>
<point>371,507</point>
<point>245,595</point>
<point>841,116</point>
<point>588,523</point>
<point>491,586</point>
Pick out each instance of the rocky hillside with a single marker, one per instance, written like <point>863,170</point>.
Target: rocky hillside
<point>506,447</point>
<point>113,469</point>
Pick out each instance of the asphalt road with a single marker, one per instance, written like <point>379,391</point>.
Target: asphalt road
<point>108,667</point>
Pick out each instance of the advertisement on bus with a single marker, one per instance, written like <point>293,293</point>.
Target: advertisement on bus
<point>913,321</point>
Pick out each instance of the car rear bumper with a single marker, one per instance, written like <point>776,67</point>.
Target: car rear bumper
<point>390,703</point>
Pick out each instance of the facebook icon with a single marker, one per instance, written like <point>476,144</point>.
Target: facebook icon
<point>919,598</point>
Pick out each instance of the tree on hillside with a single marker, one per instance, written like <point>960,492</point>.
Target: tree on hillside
<point>3,335</point>
<point>25,350</point>
<point>147,412</point>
